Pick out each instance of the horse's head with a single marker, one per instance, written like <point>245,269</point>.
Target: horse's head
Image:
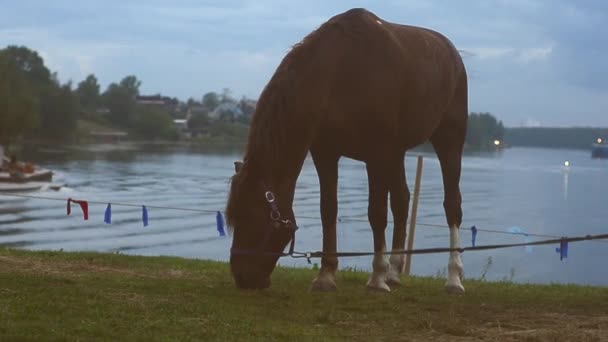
<point>260,229</point>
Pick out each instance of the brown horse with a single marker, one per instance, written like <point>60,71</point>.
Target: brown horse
<point>362,88</point>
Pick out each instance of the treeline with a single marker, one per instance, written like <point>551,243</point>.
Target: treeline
<point>482,130</point>
<point>118,106</point>
<point>35,105</point>
<point>555,137</point>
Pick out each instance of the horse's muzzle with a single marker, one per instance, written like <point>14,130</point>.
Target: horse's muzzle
<point>251,282</point>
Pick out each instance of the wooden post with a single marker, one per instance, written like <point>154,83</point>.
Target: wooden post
<point>410,237</point>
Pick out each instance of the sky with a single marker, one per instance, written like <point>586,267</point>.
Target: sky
<point>530,62</point>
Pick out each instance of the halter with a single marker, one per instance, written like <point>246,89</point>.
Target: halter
<point>278,222</point>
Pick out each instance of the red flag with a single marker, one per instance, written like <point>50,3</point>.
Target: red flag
<point>84,205</point>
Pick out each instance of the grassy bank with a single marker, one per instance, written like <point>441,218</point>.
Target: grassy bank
<point>85,296</point>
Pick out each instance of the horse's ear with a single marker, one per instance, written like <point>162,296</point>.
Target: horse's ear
<point>238,166</point>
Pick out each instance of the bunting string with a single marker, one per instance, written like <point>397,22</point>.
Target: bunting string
<point>220,220</point>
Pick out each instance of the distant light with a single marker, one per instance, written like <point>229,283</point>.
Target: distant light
<point>496,142</point>
<point>567,163</point>
<point>599,140</point>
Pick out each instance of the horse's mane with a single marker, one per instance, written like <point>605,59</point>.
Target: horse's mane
<point>277,123</point>
<point>268,132</point>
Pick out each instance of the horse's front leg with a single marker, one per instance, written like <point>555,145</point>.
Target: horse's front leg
<point>327,169</point>
<point>399,199</point>
<point>377,211</point>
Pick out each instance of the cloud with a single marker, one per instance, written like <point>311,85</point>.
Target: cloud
<point>538,59</point>
<point>489,52</point>
<point>535,54</point>
<point>523,55</point>
<point>70,59</point>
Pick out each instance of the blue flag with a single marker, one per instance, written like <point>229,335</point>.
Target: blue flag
<point>144,215</point>
<point>107,218</point>
<point>219,220</point>
<point>473,235</point>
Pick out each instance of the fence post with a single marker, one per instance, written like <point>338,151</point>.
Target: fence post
<point>410,236</point>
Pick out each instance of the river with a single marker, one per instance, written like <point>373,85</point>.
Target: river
<point>514,190</point>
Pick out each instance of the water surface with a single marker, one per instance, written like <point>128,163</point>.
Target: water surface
<point>525,189</point>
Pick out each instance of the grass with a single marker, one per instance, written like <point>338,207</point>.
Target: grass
<point>88,297</point>
<point>86,126</point>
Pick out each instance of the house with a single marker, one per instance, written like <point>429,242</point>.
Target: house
<point>181,125</point>
<point>227,110</point>
<point>154,100</point>
<point>171,105</point>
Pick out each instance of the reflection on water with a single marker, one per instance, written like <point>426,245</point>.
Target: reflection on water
<point>524,188</point>
<point>566,174</point>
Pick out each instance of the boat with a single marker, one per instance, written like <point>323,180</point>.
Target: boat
<point>16,172</point>
<point>600,149</point>
<point>30,187</point>
<point>39,175</point>
<point>21,187</point>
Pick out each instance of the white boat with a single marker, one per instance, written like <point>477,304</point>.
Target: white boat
<point>39,175</point>
<point>21,187</point>
<point>30,186</point>
<point>34,180</point>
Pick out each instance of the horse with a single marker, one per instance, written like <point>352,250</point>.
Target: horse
<point>362,88</point>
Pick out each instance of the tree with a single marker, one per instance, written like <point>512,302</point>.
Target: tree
<point>131,85</point>
<point>226,96</point>
<point>120,100</point>
<point>192,102</point>
<point>88,92</point>
<point>57,112</point>
<point>211,100</point>
<point>19,111</point>
<point>198,122</point>
<point>153,123</point>
<point>247,106</point>
<point>120,103</point>
<point>483,129</point>
<point>29,63</point>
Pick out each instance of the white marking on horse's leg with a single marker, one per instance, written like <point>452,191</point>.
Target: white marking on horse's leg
<point>377,281</point>
<point>397,262</point>
<point>455,267</point>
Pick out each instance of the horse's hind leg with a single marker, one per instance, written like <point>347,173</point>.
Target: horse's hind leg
<point>327,170</point>
<point>448,141</point>
<point>399,199</point>
<point>377,211</point>
<point>449,157</point>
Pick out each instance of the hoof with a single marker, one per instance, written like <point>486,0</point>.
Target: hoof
<point>393,280</point>
<point>456,289</point>
<point>324,284</point>
<point>378,286</point>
